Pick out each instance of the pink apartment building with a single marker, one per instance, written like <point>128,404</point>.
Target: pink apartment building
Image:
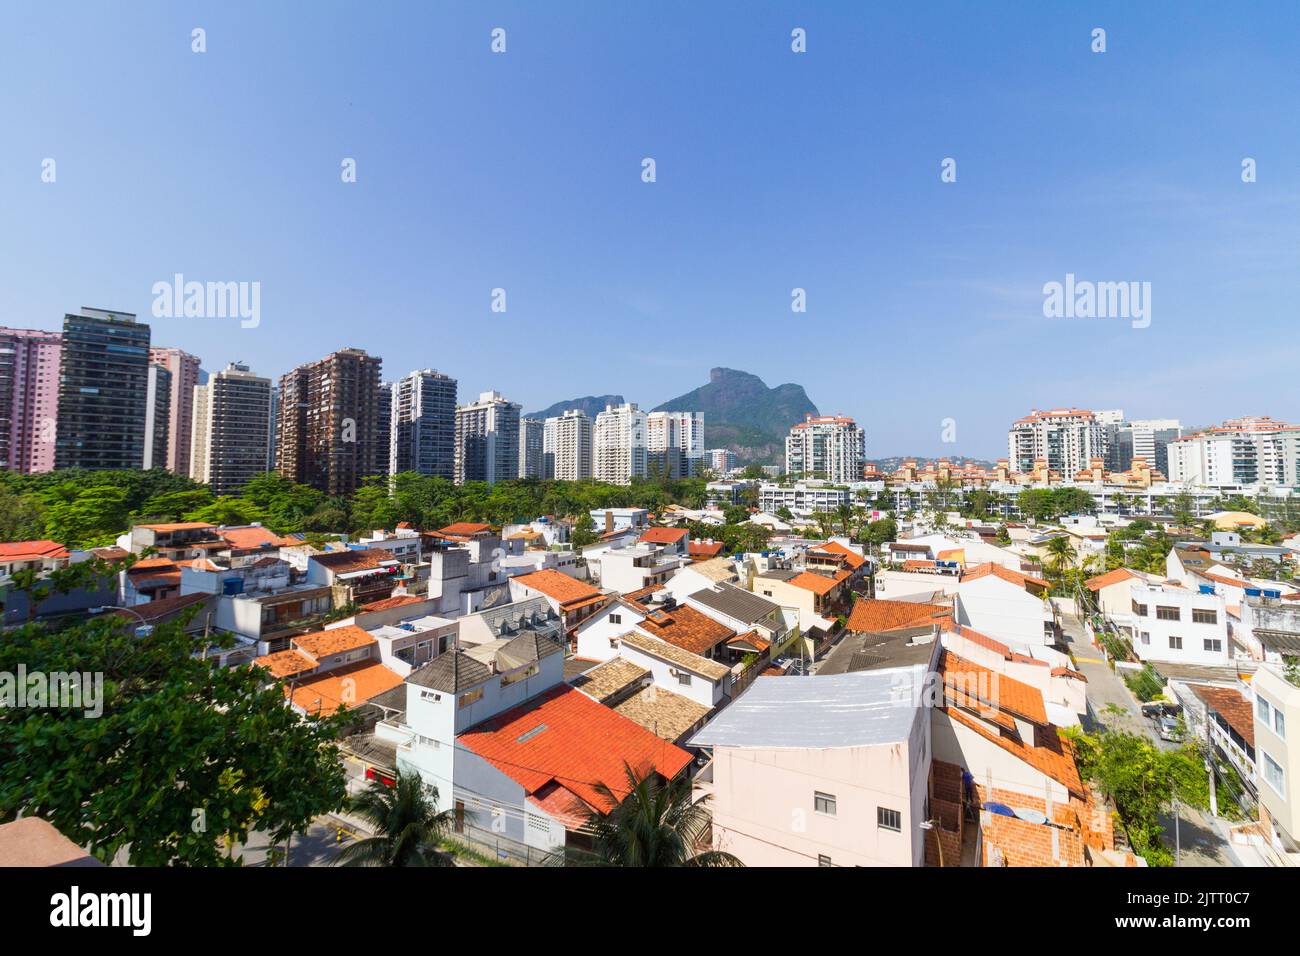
<point>185,375</point>
<point>821,771</point>
<point>29,398</point>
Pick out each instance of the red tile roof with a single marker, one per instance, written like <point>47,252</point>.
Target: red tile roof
<point>178,526</point>
<point>687,628</point>
<point>334,640</point>
<point>988,688</point>
<point>851,557</point>
<point>284,664</point>
<point>464,528</point>
<point>819,584</point>
<point>252,539</point>
<point>1109,578</point>
<point>1231,706</point>
<point>664,535</point>
<point>878,616</point>
<point>705,549</point>
<point>358,559</point>
<point>397,600</point>
<point>565,738</point>
<point>352,685</point>
<point>558,585</point>
<point>1048,754</point>
<point>997,570</point>
<point>32,550</point>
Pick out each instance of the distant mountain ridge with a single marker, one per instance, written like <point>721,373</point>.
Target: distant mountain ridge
<point>743,414</point>
<point>590,405</point>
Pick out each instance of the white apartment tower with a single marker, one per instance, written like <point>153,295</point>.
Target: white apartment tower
<point>231,434</point>
<point>487,439</point>
<point>675,443</point>
<point>832,447</point>
<point>619,444</point>
<point>1240,452</point>
<point>1064,437</point>
<point>567,446</point>
<point>422,435</point>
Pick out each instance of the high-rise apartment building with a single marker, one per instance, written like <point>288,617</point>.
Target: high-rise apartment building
<point>384,426</point>
<point>1240,452</point>
<point>232,429</point>
<point>157,418</point>
<point>532,433</point>
<point>567,446</point>
<point>329,422</point>
<point>423,431</point>
<point>29,398</point>
<point>1064,437</point>
<point>619,451</point>
<point>832,447</point>
<point>720,460</point>
<point>487,439</point>
<point>1147,439</point>
<point>103,391</point>
<point>675,443</point>
<point>184,369</point>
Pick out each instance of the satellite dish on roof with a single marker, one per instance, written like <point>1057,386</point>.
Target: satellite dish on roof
<point>1030,816</point>
<point>1001,809</point>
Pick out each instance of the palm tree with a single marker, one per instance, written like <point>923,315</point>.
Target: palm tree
<point>653,824</point>
<point>406,820</point>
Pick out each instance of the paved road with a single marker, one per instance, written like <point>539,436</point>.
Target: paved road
<point>1106,690</point>
<point>1111,705</point>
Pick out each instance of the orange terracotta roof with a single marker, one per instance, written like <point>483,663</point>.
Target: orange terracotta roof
<point>687,628</point>
<point>564,737</point>
<point>32,550</point>
<point>1109,578</point>
<point>1220,579</point>
<point>464,528</point>
<point>879,616</point>
<point>178,526</point>
<point>352,685</point>
<point>1231,706</point>
<point>335,640</point>
<point>1049,754</point>
<point>637,597</point>
<point>705,549</point>
<point>558,585</point>
<point>252,539</point>
<point>997,570</point>
<point>286,663</point>
<point>354,559</point>
<point>992,689</point>
<point>397,600</point>
<point>851,557</point>
<point>153,564</point>
<point>664,535</point>
<point>819,584</point>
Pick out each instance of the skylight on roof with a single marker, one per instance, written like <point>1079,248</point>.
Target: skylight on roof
<point>524,738</point>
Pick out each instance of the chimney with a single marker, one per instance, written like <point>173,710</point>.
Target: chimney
<point>609,521</point>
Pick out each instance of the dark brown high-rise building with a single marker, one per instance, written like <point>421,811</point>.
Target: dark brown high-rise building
<point>329,422</point>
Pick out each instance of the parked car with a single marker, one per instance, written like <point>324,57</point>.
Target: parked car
<point>1168,728</point>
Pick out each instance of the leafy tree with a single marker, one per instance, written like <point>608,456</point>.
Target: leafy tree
<point>22,518</point>
<point>185,756</point>
<point>406,821</point>
<point>655,824</point>
<point>1142,780</point>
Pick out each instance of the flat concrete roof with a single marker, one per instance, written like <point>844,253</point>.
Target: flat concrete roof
<point>859,709</point>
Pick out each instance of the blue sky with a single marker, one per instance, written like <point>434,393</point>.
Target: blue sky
<point>774,171</point>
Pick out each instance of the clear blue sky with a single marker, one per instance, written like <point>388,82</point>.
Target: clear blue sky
<point>775,170</point>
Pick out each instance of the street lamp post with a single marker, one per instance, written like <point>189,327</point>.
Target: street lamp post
<point>937,828</point>
<point>145,628</point>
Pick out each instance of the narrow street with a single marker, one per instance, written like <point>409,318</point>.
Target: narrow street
<point>1112,706</point>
